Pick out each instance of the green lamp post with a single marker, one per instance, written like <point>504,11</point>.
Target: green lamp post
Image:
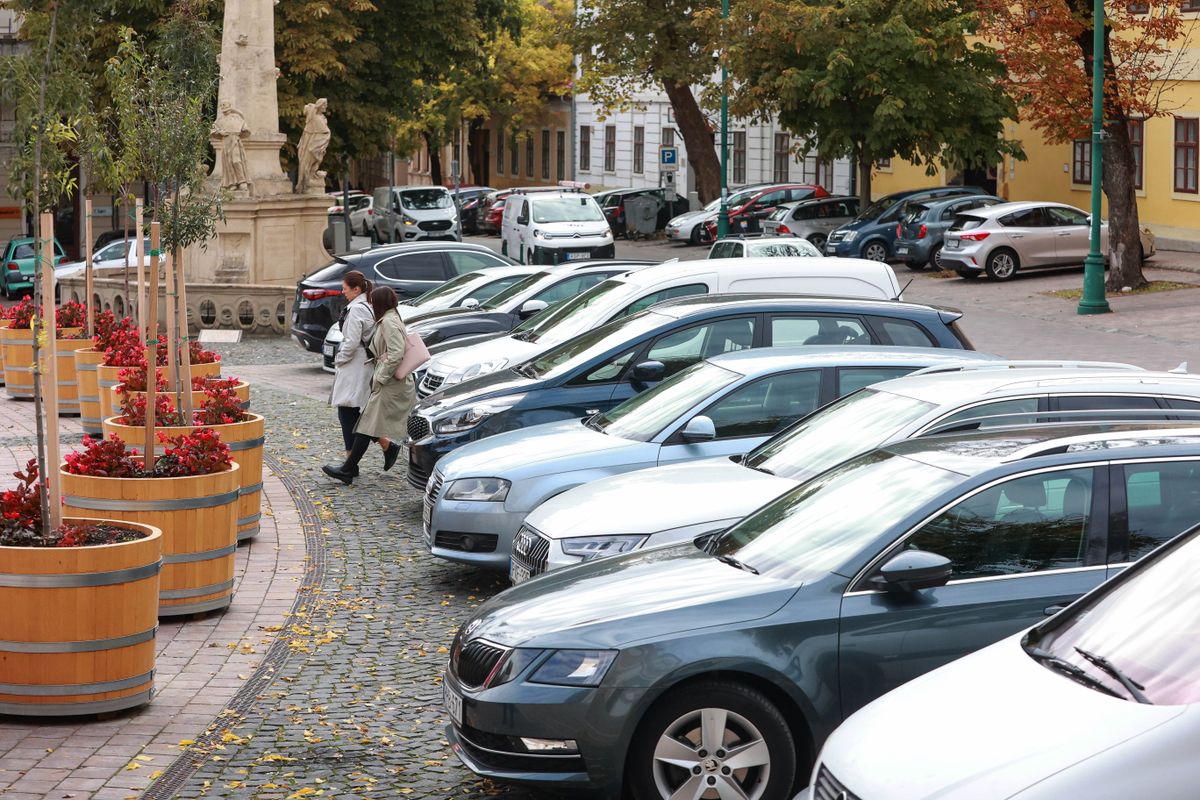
<point>1093,301</point>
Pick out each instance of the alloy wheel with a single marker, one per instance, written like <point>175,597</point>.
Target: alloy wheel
<point>711,754</point>
<point>936,259</point>
<point>818,241</point>
<point>875,251</point>
<point>1001,266</point>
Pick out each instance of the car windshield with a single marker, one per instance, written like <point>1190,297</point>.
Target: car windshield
<point>643,417</point>
<point>333,272</point>
<point>1146,627</point>
<point>877,208</point>
<point>597,341</point>
<point>573,317</point>
<point>781,212</point>
<point>738,199</point>
<point>854,424</point>
<point>821,524</point>
<point>449,288</point>
<point>516,290</point>
<point>567,209</point>
<point>425,199</point>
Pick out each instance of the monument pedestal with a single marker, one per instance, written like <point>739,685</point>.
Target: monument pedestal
<point>273,240</point>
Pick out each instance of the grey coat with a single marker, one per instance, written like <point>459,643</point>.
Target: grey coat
<point>386,412</point>
<point>352,376</point>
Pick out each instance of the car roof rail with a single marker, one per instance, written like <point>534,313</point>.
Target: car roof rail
<point>1029,419</point>
<point>976,366</point>
<point>1181,434</point>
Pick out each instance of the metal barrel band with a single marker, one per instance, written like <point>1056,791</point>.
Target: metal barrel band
<point>248,444</point>
<point>67,689</point>
<point>245,490</point>
<point>18,341</point>
<point>198,591</point>
<point>68,383</point>
<point>203,555</point>
<point>248,533</point>
<point>87,646</point>
<point>87,398</point>
<point>21,395</point>
<point>247,520</point>
<point>107,384</point>
<point>73,709</point>
<point>85,367</point>
<point>172,504</point>
<point>11,368</point>
<point>80,580</point>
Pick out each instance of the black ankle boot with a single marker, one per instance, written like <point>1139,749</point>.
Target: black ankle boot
<point>339,472</point>
<point>390,455</point>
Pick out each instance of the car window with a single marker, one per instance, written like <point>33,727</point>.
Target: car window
<point>965,222</point>
<point>412,267</point>
<point>607,372</point>
<point>779,249</point>
<point>783,211</point>
<point>726,250</point>
<point>462,262</point>
<point>893,214</point>
<point>333,272</point>
<point>1029,218</point>
<point>1163,500</point>
<point>683,348</point>
<point>772,198</point>
<point>665,294</point>
<point>1029,524</point>
<point>1017,411</point>
<point>23,251</point>
<point>567,209</point>
<point>790,331</point>
<point>848,208</point>
<point>914,212</point>
<point>112,252</point>
<point>800,193</point>
<point>767,405</point>
<point>516,290</point>
<point>851,379</point>
<point>1066,216</point>
<point>489,290</point>
<point>1123,406</point>
<point>565,289</point>
<point>904,333</point>
<point>644,416</point>
<point>811,211</point>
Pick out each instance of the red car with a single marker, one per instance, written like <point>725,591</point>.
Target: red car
<point>747,218</point>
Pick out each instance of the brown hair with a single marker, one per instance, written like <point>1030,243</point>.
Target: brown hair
<point>383,300</point>
<point>356,280</point>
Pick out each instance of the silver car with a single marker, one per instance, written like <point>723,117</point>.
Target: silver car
<point>811,219</point>
<point>1002,239</point>
<point>414,213</point>
<point>689,227</point>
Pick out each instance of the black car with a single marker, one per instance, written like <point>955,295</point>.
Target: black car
<point>613,204</point>
<point>470,204</point>
<point>410,269</point>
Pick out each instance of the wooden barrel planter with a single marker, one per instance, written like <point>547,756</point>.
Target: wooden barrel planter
<point>17,344</point>
<point>242,390</point>
<point>107,378</point>
<point>245,441</point>
<point>87,363</point>
<point>197,516</point>
<point>77,632</point>
<point>68,380</point>
<point>3,324</point>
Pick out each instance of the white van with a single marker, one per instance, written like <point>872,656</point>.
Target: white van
<point>627,294</point>
<point>553,227</point>
<point>414,213</point>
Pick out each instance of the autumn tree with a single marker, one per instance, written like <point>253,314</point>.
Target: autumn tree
<point>873,79</point>
<point>1047,47</point>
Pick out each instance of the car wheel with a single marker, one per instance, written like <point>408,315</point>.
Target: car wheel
<point>715,738</point>
<point>969,274</point>
<point>1002,264</point>
<point>875,251</point>
<point>695,237</point>
<point>915,266</point>
<point>818,241</point>
<point>935,258</point>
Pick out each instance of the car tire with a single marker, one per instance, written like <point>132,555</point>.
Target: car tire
<point>1002,264</point>
<point>695,237</point>
<point>750,722</point>
<point>915,266</point>
<point>818,240</point>
<point>969,274</point>
<point>874,251</point>
<point>935,259</point>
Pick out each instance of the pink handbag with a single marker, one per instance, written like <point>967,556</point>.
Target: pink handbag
<point>415,354</point>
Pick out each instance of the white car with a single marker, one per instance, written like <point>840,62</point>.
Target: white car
<point>1099,702</point>
<point>361,206</point>
<point>107,261</point>
<point>774,247</point>
<point>689,227</point>
<point>554,227</point>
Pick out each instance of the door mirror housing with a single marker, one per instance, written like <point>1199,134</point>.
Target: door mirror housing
<point>699,429</point>
<point>470,302</point>
<point>522,220</point>
<point>648,372</point>
<point>913,570</point>
<point>532,307</point>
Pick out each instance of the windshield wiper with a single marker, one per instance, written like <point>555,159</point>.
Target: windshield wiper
<point>524,370</point>
<point>764,470</point>
<point>1133,687</point>
<point>733,562</point>
<point>1070,670</point>
<point>524,336</point>
<point>593,422</point>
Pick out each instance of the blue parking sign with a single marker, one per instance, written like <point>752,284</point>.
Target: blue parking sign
<point>668,157</point>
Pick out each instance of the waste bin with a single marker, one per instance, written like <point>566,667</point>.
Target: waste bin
<point>641,216</point>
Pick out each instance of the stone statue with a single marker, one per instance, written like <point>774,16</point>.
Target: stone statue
<point>311,150</point>
<point>232,129</point>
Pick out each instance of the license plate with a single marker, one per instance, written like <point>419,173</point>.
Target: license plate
<point>518,574</point>
<point>952,244</point>
<point>831,250</point>
<point>453,704</point>
<point>901,251</point>
<point>306,303</point>
<point>328,350</point>
<point>578,256</point>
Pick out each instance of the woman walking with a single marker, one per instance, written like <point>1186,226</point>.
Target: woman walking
<point>352,364</point>
<point>385,416</point>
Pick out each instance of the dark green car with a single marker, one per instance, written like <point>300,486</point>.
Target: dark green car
<point>717,670</point>
<point>20,265</point>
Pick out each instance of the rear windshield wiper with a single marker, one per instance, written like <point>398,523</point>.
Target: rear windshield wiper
<point>593,422</point>
<point>1071,671</point>
<point>733,562</point>
<point>1134,688</point>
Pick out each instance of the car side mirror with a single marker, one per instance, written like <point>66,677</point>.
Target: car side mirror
<point>699,429</point>
<point>470,302</point>
<point>522,220</point>
<point>96,258</point>
<point>648,372</point>
<point>532,307</point>
<point>913,570</point>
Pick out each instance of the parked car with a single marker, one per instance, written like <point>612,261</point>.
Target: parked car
<point>413,213</point>
<point>552,227</point>
<point>609,363</point>
<point>721,406</point>
<point>470,203</point>
<point>20,265</point>
<point>361,206</point>
<point>668,671</point>
<point>772,247</point>
<point>625,295</point>
<point>811,219</point>
<point>760,204</point>
<point>871,234</point>
<point>612,202</point>
<point>107,261</point>
<point>493,219</point>
<point>1005,238</point>
<point>410,269</point>
<point>110,236</point>
<point>713,494</point>
<point>689,227</point>
<point>923,224</point>
<point>1099,701</point>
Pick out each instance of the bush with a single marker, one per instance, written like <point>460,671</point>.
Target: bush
<point>71,314</point>
<point>21,519</point>
<point>221,405</point>
<point>200,452</point>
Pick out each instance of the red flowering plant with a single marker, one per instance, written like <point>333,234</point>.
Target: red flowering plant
<point>133,410</point>
<point>221,405</point>
<point>104,458</point>
<point>71,314</point>
<point>108,328</point>
<point>21,519</point>
<point>199,355</point>
<point>200,452</point>
<point>21,315</point>
<point>133,379</point>
<point>125,349</point>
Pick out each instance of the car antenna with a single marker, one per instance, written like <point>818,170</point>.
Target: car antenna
<point>904,288</point>
<point>1182,369</point>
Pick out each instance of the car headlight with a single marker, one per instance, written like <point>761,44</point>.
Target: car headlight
<point>468,418</point>
<point>475,370</point>
<point>589,547</point>
<point>408,220</point>
<point>514,664</point>
<point>537,234</point>
<point>850,236</point>
<point>480,490</point>
<point>574,667</point>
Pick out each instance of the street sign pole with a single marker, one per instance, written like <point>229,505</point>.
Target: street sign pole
<point>1093,301</point>
<point>723,214</point>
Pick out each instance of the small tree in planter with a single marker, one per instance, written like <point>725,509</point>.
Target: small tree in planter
<point>59,638</point>
<point>133,382</point>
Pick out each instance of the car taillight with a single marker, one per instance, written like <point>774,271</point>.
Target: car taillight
<point>974,237</point>
<point>370,212</point>
<point>784,229</point>
<point>14,267</point>
<point>921,233</point>
<point>899,231</point>
<point>319,294</point>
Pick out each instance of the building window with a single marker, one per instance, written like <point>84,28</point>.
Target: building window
<point>739,157</point>
<point>585,148</point>
<point>561,152</point>
<point>1136,138</point>
<point>1190,5</point>
<point>639,149</point>
<point>610,148</point>
<point>883,163</point>
<point>1081,161</point>
<point>668,137</point>
<point>514,153</point>
<point>783,148</point>
<point>528,154</point>
<point>545,155</point>
<point>1138,8</point>
<point>1186,142</point>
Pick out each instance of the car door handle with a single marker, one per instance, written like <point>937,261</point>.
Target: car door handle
<point>1063,233</point>
<point>1017,235</point>
<point>1050,611</point>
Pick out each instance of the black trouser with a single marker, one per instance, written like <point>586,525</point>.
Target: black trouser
<point>357,450</point>
<point>348,416</point>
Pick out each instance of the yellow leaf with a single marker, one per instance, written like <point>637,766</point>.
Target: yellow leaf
<point>156,774</point>
<point>186,742</point>
<point>133,765</point>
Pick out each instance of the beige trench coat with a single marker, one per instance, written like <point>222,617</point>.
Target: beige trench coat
<point>386,412</point>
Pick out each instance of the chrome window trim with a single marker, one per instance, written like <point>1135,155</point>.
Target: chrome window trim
<point>865,571</point>
<point>959,409</point>
<point>1063,571</point>
<point>1152,460</point>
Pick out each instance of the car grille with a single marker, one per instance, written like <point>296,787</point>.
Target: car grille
<point>433,488</point>
<point>531,550</point>
<point>418,427</point>
<point>431,383</point>
<point>418,477</point>
<point>434,225</point>
<point>466,542</point>
<point>828,787</point>
<point>473,663</point>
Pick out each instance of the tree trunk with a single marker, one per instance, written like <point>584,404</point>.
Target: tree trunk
<point>435,160</point>
<point>479,164</point>
<point>864,165</point>
<point>702,156</point>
